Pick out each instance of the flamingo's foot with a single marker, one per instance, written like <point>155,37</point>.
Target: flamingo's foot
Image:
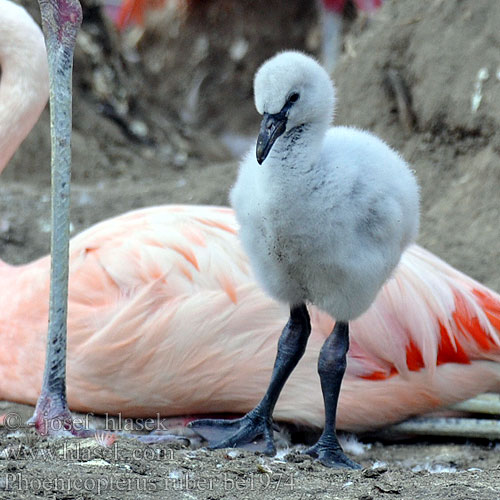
<point>254,431</point>
<point>53,418</point>
<point>330,453</point>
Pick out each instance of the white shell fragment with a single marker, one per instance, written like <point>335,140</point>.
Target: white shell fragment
<point>482,75</point>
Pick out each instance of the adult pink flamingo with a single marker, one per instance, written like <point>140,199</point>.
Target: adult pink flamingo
<point>165,317</point>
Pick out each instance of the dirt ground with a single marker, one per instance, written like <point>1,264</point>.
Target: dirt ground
<point>161,115</point>
<point>33,467</point>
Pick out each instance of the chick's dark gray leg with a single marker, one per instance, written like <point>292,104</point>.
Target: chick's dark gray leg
<point>331,369</point>
<point>257,423</point>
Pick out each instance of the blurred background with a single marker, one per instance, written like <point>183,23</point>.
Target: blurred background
<point>163,110</point>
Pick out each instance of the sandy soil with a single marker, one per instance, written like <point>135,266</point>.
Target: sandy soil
<point>155,116</point>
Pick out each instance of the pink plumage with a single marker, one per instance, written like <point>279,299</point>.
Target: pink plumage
<point>164,316</point>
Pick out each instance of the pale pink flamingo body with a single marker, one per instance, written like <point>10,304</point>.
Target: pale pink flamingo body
<point>165,317</point>
<point>24,84</point>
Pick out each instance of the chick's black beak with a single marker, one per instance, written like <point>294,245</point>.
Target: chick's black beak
<point>271,128</point>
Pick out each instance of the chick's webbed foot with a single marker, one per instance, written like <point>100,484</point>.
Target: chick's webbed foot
<point>253,431</point>
<point>331,455</point>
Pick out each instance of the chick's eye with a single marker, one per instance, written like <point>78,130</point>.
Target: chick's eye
<point>294,97</point>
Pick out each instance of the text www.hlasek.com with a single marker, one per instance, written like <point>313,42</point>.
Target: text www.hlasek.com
<point>83,452</point>
<point>17,481</point>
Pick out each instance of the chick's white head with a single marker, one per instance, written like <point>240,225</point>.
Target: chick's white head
<point>297,80</point>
